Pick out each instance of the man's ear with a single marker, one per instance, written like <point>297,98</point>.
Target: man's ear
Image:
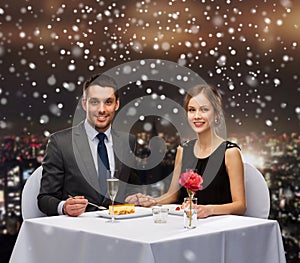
<point>83,103</point>
<point>117,104</point>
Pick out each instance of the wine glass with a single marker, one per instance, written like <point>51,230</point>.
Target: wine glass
<point>112,189</point>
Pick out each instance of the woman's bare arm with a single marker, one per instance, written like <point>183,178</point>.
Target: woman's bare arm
<point>235,170</point>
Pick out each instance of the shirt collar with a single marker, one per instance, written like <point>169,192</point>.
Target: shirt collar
<point>92,132</point>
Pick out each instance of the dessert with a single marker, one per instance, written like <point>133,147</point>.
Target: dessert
<point>122,209</point>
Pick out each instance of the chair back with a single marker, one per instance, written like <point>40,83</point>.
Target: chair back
<point>30,192</point>
<point>257,193</point>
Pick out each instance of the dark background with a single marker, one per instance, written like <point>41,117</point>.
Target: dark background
<point>48,49</point>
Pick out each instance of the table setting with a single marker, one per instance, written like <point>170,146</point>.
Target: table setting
<point>158,234</point>
<point>139,239</point>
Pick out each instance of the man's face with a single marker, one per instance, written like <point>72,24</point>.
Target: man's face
<point>100,104</point>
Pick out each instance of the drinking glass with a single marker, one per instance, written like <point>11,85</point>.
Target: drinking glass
<point>160,214</point>
<point>112,181</point>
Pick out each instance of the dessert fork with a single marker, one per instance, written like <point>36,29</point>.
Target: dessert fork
<point>98,206</point>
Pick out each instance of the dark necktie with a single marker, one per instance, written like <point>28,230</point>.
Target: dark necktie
<point>103,163</point>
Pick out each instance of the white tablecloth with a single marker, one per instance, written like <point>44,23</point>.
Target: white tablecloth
<point>88,238</point>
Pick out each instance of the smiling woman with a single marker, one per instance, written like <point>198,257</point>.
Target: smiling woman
<point>217,160</point>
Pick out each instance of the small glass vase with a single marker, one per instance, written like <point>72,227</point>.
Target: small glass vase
<point>190,212</point>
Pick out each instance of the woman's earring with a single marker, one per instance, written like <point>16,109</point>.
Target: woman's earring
<point>216,121</point>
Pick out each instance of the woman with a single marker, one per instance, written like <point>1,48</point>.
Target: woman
<point>218,161</point>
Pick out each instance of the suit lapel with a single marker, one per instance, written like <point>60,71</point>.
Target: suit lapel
<point>118,146</point>
<point>84,156</point>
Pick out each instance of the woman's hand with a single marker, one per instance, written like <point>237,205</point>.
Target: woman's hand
<point>141,200</point>
<point>203,211</point>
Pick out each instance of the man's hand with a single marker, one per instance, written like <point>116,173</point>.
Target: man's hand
<point>75,206</point>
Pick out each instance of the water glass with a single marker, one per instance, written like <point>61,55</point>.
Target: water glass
<point>160,214</point>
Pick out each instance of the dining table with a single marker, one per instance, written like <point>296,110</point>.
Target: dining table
<point>137,239</point>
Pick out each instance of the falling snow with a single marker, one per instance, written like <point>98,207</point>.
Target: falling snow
<point>248,49</point>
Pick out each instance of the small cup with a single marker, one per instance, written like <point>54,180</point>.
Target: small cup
<point>160,214</point>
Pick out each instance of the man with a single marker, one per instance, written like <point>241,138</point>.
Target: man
<point>72,172</point>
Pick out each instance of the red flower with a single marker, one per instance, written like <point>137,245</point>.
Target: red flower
<point>191,181</point>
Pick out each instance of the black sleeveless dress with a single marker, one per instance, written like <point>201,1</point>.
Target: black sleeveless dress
<point>216,184</point>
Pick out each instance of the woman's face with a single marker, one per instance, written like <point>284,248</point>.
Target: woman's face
<point>200,113</point>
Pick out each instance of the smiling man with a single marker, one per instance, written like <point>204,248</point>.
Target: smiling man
<point>73,168</point>
<point>100,104</point>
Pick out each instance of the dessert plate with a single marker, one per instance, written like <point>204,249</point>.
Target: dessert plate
<point>174,209</point>
<point>139,212</point>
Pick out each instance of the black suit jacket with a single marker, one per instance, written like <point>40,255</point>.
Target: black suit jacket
<point>69,169</point>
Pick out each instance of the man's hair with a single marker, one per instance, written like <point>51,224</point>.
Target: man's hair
<point>100,80</point>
